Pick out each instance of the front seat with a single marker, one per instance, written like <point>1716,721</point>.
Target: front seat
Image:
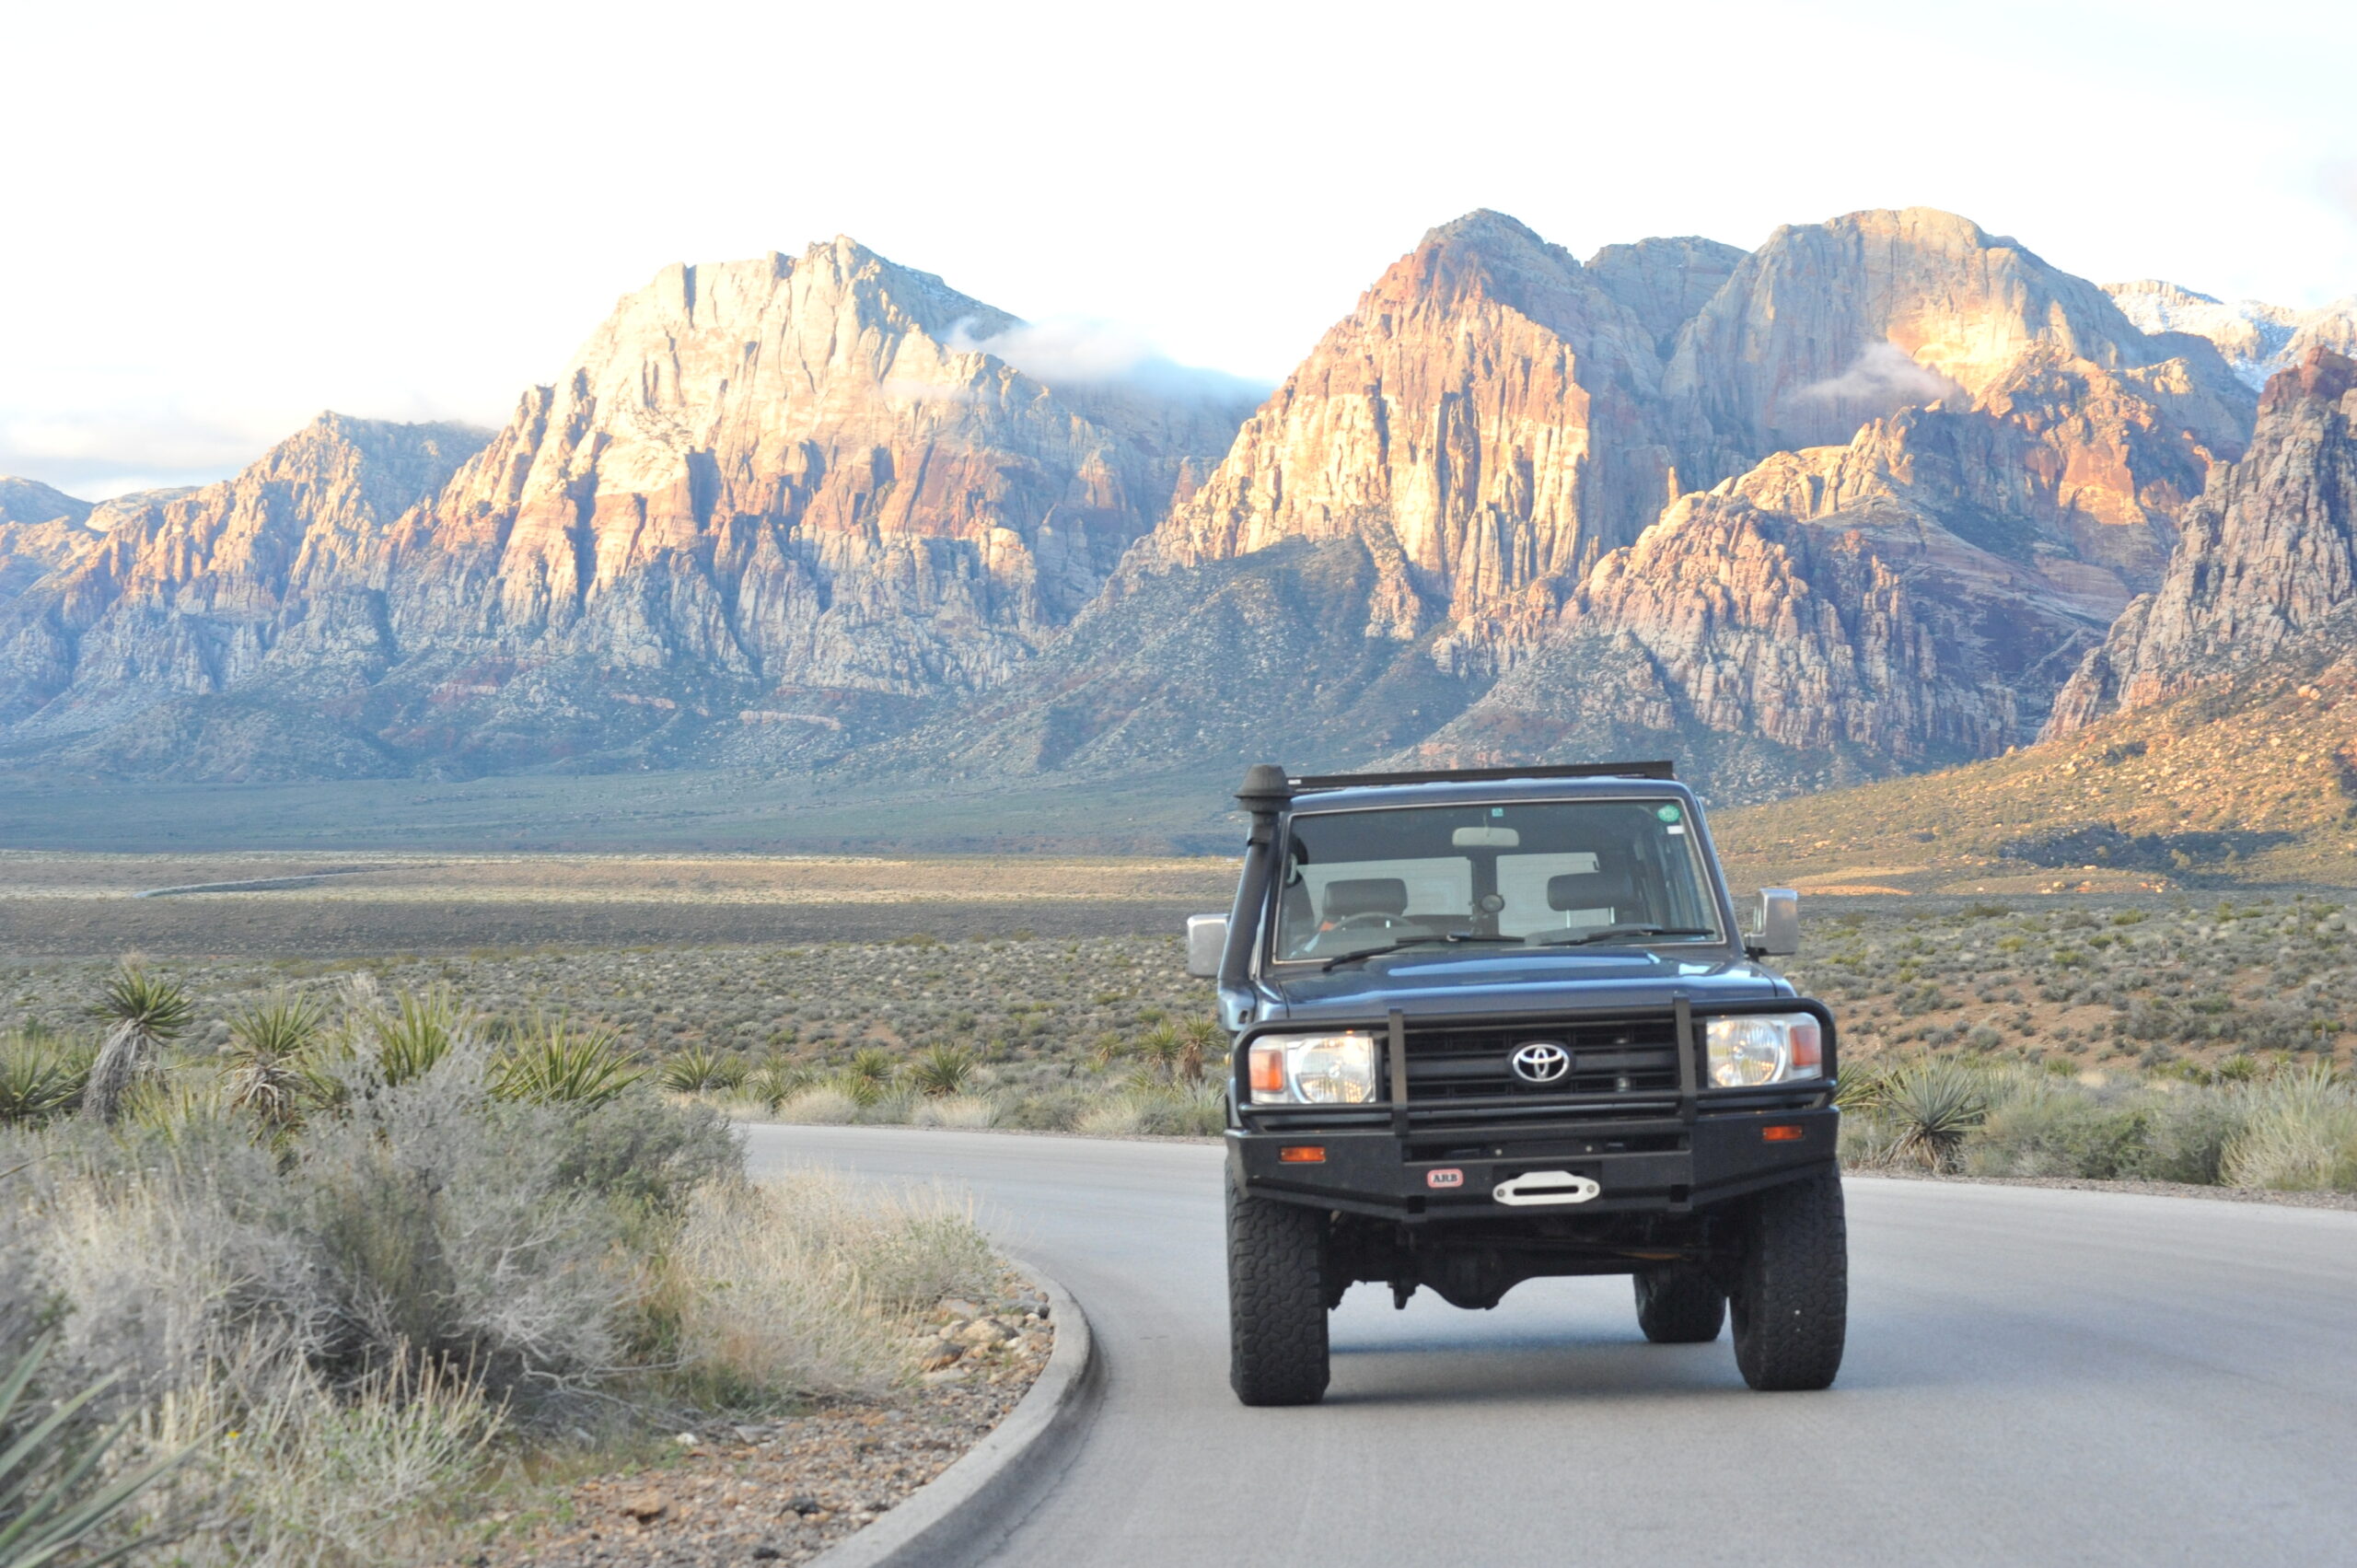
<point>1364,895</point>
<point>1611,887</point>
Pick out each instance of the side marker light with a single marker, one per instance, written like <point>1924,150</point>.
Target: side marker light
<point>1302,1154</point>
<point>1784,1132</point>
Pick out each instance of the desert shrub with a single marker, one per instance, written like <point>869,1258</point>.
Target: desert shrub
<point>824,1105</point>
<point>1047,1110</point>
<point>956,1110</point>
<point>1868,1142</point>
<point>889,1105</point>
<point>2186,1134</point>
<point>2057,1128</point>
<point>1113,1116</point>
<point>2299,1134</point>
<point>806,1283</point>
<point>1196,1110</point>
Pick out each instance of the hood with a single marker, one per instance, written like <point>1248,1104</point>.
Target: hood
<point>1520,982</point>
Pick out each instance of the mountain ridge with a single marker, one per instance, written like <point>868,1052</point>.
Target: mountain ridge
<point>1857,502</point>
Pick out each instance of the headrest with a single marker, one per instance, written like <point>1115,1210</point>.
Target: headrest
<point>1600,889</point>
<point>1366,895</point>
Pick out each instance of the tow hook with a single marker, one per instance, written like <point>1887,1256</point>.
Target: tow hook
<point>1544,1187</point>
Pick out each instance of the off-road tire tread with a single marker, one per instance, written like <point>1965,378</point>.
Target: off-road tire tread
<point>1791,1301</point>
<point>1276,1302</point>
<point>1679,1306</point>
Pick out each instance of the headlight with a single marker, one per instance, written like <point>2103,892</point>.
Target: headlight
<point>1312,1069</point>
<point>1772,1048</point>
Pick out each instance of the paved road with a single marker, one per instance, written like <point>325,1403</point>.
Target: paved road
<point>2034,1377</point>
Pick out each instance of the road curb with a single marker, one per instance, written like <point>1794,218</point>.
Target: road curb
<point>959,1513</point>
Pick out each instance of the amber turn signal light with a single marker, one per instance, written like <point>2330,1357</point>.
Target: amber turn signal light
<point>1784,1132</point>
<point>1302,1154</point>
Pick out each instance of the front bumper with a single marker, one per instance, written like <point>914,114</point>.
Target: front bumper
<point>1668,1165</point>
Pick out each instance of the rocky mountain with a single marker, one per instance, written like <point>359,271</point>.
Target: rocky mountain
<point>2269,558</point>
<point>1489,420</point>
<point>2257,339</point>
<point>1853,503</point>
<point>779,496</point>
<point>1857,502</point>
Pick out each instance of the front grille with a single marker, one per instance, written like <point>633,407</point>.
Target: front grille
<point>1631,1055</point>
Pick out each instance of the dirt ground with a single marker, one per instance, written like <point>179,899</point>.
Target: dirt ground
<point>313,906</point>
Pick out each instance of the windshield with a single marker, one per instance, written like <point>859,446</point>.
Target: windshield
<point>1536,874</point>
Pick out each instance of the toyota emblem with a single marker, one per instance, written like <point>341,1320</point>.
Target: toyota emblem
<point>1541,1061</point>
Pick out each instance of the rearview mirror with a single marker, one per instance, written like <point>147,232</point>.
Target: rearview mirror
<point>1775,924</point>
<point>1486,838</point>
<point>1206,942</point>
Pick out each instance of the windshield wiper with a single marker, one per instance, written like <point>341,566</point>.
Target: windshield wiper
<point>1330,964</point>
<point>1607,933</point>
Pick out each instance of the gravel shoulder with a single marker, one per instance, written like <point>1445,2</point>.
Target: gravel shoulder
<point>784,1491</point>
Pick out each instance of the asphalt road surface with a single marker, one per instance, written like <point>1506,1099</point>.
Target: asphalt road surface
<point>2034,1377</point>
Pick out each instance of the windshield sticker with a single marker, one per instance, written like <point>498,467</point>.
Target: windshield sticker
<point>1670,814</point>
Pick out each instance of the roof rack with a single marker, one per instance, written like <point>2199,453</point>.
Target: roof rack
<point>1657,769</point>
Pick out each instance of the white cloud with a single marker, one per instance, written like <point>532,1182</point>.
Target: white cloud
<point>1884,377</point>
<point>1079,351</point>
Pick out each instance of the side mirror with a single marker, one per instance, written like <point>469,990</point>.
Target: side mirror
<point>1206,943</point>
<point>1775,924</point>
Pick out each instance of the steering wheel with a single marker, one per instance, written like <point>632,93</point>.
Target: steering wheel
<point>1372,920</point>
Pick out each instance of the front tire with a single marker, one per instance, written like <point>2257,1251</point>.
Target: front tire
<point>1679,1305</point>
<point>1276,1302</point>
<point>1791,1299</point>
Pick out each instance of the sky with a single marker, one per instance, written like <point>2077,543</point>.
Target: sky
<point>216,221</point>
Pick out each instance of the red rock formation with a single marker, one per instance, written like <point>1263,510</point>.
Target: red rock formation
<point>2269,554</point>
<point>1486,418</point>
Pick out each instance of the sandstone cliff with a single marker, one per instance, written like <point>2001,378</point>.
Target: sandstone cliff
<point>189,592</point>
<point>1486,420</point>
<point>779,496</point>
<point>2268,556</point>
<point>1828,326</point>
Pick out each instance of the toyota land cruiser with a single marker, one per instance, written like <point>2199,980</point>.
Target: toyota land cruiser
<point>1497,1023</point>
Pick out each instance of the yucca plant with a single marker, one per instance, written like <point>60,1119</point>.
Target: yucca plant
<point>1204,1039</point>
<point>410,1041</point>
<point>872,1062</point>
<point>41,1076</point>
<point>144,1015</point>
<point>700,1068</point>
<point>1163,1046</point>
<point>775,1082</point>
<point>1108,1049</point>
<point>1935,1105</point>
<point>942,1069</point>
<point>270,1064</point>
<point>556,1063</point>
<point>54,1495</point>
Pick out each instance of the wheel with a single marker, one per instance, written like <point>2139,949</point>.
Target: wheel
<point>1276,1302</point>
<point>1791,1299</point>
<point>1679,1305</point>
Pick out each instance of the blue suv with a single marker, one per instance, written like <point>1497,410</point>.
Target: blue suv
<point>1497,1023</point>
